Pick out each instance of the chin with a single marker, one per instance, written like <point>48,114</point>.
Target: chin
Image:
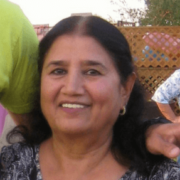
<point>71,130</point>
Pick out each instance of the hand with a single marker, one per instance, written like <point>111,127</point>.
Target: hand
<point>164,139</point>
<point>177,119</point>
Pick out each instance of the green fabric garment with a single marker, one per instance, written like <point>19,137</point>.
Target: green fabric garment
<point>18,59</point>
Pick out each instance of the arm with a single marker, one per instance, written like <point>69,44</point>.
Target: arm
<point>158,137</point>
<point>168,91</point>
<point>163,139</point>
<point>168,112</point>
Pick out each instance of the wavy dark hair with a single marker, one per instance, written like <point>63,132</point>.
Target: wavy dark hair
<point>124,143</point>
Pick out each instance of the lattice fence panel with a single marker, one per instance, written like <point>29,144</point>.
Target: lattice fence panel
<point>154,46</point>
<point>152,78</point>
<point>156,54</point>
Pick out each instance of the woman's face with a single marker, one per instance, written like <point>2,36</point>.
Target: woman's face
<point>81,91</point>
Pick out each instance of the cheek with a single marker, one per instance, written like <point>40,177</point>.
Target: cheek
<point>49,89</point>
<point>107,103</point>
<point>49,93</point>
<point>107,92</point>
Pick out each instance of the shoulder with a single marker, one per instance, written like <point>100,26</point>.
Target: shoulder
<point>169,169</point>
<point>176,72</point>
<point>175,76</point>
<point>17,148</point>
<point>17,152</point>
<point>13,20</point>
<point>14,26</point>
<point>17,159</point>
<point>166,170</point>
<point>10,11</point>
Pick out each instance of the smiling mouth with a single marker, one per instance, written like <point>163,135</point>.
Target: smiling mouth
<point>73,106</point>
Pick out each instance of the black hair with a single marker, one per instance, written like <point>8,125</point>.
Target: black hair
<point>124,131</point>
<point>105,33</point>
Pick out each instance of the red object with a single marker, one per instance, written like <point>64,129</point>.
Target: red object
<point>163,42</point>
<point>3,114</point>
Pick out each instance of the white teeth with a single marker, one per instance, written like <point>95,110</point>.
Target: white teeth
<point>72,106</point>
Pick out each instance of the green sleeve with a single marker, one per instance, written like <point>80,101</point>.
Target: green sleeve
<point>18,61</point>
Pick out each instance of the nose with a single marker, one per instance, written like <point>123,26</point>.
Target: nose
<point>73,84</point>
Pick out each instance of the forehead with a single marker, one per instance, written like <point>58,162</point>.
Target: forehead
<point>77,47</point>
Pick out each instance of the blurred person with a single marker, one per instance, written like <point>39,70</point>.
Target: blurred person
<point>18,56</point>
<point>18,66</point>
<point>18,62</point>
<point>166,93</point>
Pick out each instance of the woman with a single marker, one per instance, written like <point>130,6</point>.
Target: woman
<point>91,109</point>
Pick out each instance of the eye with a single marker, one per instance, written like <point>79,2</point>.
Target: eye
<point>58,72</point>
<point>93,72</point>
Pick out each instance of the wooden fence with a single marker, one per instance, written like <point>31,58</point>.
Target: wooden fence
<point>156,54</point>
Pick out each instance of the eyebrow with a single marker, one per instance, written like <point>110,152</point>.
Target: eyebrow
<point>57,63</point>
<point>94,63</point>
<point>87,63</point>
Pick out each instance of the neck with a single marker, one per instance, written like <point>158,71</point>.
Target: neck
<point>84,154</point>
<point>74,145</point>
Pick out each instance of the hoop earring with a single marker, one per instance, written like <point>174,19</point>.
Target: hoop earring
<point>122,111</point>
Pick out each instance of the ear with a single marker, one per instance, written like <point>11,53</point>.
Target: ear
<point>127,87</point>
